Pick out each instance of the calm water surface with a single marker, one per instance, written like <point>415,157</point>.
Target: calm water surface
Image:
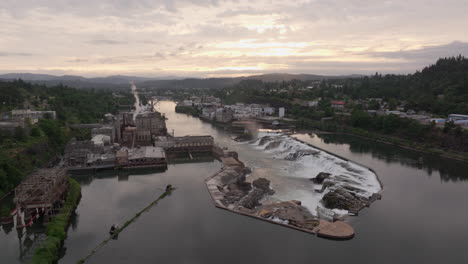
<point>422,217</point>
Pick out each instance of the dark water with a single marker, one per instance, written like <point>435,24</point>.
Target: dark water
<point>422,217</point>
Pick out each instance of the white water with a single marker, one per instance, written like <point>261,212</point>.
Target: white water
<point>293,182</point>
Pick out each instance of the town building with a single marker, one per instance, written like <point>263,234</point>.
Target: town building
<point>153,122</point>
<point>267,110</point>
<point>281,112</point>
<point>33,116</point>
<point>456,117</point>
<point>146,156</point>
<point>337,104</point>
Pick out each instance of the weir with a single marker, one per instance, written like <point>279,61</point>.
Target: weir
<point>292,211</point>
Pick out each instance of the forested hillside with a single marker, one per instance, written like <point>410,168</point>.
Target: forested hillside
<point>441,89</point>
<point>72,105</point>
<point>37,144</point>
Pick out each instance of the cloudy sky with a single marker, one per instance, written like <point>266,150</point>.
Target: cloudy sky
<point>228,38</point>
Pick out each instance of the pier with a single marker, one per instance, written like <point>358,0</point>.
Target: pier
<point>42,192</point>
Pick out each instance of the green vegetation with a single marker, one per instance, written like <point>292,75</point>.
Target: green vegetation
<point>438,89</point>
<point>72,105</point>
<point>187,110</point>
<point>449,141</point>
<point>56,230</point>
<point>34,145</point>
<point>127,223</point>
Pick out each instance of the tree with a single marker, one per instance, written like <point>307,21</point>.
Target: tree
<point>20,134</point>
<point>35,132</point>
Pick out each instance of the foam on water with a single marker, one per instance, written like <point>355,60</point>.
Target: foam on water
<point>304,162</point>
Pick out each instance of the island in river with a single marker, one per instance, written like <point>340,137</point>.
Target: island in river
<point>349,189</point>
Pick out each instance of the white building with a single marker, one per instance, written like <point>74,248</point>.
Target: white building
<point>281,112</point>
<point>456,117</point>
<point>312,103</point>
<point>268,110</point>
<point>256,110</point>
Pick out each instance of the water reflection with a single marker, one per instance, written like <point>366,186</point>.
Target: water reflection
<point>449,170</point>
<point>28,239</point>
<point>122,176</point>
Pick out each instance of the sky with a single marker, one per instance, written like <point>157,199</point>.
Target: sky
<point>214,38</point>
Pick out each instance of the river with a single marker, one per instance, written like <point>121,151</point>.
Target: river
<point>421,218</point>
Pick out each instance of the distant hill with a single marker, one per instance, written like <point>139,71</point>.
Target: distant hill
<point>109,82</point>
<point>122,81</point>
<point>225,82</point>
<point>278,77</point>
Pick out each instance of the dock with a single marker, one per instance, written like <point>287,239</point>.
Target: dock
<point>41,192</point>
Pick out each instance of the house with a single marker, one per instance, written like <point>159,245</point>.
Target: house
<point>337,104</point>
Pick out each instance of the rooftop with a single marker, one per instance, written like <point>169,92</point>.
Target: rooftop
<point>146,152</point>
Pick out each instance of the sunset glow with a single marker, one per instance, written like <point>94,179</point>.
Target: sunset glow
<point>202,38</point>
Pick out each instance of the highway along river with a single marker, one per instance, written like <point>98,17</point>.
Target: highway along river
<point>422,217</point>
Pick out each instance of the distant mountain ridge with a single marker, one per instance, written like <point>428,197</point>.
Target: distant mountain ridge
<point>277,77</point>
<point>122,81</point>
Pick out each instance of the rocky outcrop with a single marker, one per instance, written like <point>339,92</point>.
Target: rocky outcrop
<point>252,199</point>
<point>273,144</point>
<point>230,175</point>
<point>342,198</point>
<point>320,177</point>
<point>261,187</point>
<point>264,185</point>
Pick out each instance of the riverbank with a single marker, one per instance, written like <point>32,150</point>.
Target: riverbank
<point>388,140</point>
<point>56,231</point>
<point>436,143</point>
